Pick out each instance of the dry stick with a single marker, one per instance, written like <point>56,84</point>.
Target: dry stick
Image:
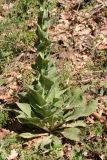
<point>101,119</point>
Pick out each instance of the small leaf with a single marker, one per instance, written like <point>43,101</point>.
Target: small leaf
<point>57,142</point>
<point>40,2</point>
<point>72,134</point>
<point>2,81</point>
<point>41,63</point>
<point>42,35</point>
<point>45,142</point>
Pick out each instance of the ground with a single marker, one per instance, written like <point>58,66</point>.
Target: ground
<point>78,32</point>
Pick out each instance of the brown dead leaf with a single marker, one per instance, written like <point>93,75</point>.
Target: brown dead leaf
<point>7,7</point>
<point>13,155</point>
<point>102,47</point>
<point>4,97</point>
<point>30,23</point>
<point>1,18</point>
<point>65,151</point>
<point>99,1</point>
<point>3,133</point>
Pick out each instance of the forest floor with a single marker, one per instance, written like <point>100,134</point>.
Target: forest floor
<point>78,32</point>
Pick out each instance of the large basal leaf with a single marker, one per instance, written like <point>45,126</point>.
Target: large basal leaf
<point>78,123</point>
<point>84,110</point>
<point>26,108</point>
<point>91,107</point>
<point>72,134</point>
<point>27,135</point>
<point>35,122</point>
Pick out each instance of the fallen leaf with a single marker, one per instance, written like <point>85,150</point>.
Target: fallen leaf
<point>12,155</point>
<point>102,47</point>
<point>1,18</point>
<point>3,133</point>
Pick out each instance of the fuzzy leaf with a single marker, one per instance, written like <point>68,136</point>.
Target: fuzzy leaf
<point>41,63</point>
<point>78,123</point>
<point>34,121</point>
<point>72,134</point>
<point>56,142</point>
<point>27,135</point>
<point>25,107</point>
<point>83,111</point>
<point>45,82</point>
<point>42,35</point>
<point>37,97</point>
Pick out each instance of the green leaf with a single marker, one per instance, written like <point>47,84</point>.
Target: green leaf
<point>83,111</point>
<point>43,111</point>
<point>21,115</point>
<point>45,82</point>
<point>41,34</point>
<point>34,121</point>
<point>41,2</point>
<point>90,108</point>
<point>78,123</point>
<point>105,103</point>
<point>2,81</point>
<point>43,46</point>
<point>27,135</point>
<point>51,94</point>
<point>56,142</point>
<point>72,134</point>
<point>43,20</point>
<point>37,97</point>
<point>41,63</point>
<point>25,107</point>
<point>40,18</point>
<point>45,142</point>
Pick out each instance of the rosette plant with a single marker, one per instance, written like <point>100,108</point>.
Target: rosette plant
<point>45,105</point>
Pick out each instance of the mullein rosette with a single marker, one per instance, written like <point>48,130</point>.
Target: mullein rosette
<point>45,105</point>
